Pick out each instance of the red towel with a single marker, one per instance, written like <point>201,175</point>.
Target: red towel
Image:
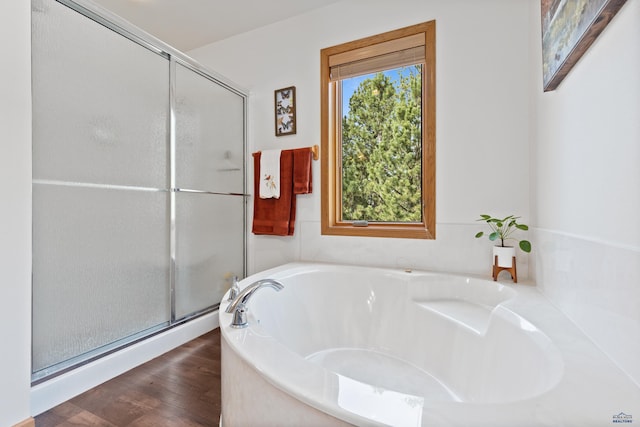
<point>277,217</point>
<point>302,170</point>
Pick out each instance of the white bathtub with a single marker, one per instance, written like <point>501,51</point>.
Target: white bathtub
<point>344,345</point>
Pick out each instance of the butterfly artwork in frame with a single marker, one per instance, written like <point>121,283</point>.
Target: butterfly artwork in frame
<point>285,109</point>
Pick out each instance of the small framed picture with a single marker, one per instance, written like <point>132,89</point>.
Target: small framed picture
<point>285,108</point>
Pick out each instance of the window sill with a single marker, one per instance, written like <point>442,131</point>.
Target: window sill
<point>399,231</point>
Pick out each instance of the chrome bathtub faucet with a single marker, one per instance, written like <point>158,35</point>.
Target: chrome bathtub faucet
<point>239,305</point>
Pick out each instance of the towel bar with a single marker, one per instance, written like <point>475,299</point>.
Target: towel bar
<point>314,149</point>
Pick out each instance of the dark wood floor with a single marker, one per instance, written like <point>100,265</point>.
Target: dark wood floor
<point>179,388</point>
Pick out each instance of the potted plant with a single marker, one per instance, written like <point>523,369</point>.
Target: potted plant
<point>502,230</point>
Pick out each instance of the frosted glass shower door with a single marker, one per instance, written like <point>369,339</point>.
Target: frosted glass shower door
<point>100,269</point>
<point>209,186</point>
<point>100,188</point>
<point>209,249</point>
<point>138,186</point>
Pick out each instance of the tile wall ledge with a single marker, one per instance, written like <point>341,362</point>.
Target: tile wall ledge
<point>595,284</point>
<point>587,239</point>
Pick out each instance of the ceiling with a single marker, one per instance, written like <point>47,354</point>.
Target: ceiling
<point>188,24</point>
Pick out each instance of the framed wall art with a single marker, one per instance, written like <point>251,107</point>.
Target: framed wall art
<point>569,27</point>
<point>285,108</point>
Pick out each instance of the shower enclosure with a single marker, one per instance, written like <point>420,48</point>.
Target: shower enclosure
<point>138,186</point>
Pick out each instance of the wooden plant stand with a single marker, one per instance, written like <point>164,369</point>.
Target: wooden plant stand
<point>511,270</point>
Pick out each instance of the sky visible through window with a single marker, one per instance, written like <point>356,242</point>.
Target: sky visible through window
<point>349,86</point>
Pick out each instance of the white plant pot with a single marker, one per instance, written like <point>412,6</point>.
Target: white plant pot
<point>505,255</point>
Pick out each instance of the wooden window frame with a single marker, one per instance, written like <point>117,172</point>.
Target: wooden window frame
<point>330,135</point>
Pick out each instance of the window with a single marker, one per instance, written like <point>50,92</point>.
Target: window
<point>378,135</point>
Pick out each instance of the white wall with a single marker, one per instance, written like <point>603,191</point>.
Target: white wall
<point>15,211</point>
<point>482,121</point>
<point>585,196</point>
<point>588,142</point>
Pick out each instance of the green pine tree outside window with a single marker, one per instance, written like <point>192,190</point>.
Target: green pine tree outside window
<point>382,148</point>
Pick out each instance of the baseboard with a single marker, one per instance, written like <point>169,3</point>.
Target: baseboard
<point>48,394</point>
<point>29,422</point>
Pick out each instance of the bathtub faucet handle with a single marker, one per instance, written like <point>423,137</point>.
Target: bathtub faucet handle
<point>234,290</point>
<point>239,305</point>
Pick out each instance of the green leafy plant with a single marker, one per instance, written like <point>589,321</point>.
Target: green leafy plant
<point>503,228</point>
